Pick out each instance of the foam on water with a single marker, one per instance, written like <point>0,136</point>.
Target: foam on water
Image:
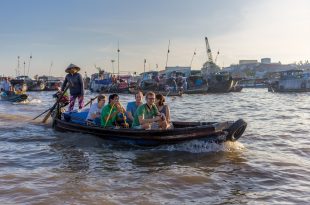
<point>31,101</point>
<point>198,146</point>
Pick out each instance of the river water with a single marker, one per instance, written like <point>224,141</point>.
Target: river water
<point>268,165</point>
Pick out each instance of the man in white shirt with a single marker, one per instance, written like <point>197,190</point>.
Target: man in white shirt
<point>95,110</point>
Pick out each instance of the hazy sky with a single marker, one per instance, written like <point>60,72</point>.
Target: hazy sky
<point>86,33</point>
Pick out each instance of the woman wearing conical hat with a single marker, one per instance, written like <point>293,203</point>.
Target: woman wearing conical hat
<point>76,86</point>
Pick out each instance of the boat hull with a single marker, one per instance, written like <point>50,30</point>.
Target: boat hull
<point>14,98</point>
<point>183,132</point>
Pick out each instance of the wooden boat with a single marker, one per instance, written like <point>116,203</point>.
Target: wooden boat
<point>199,90</point>
<point>13,97</point>
<point>220,83</point>
<point>165,93</point>
<point>196,85</point>
<point>182,132</point>
<point>32,85</point>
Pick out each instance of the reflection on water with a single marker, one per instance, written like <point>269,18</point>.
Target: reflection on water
<point>268,165</point>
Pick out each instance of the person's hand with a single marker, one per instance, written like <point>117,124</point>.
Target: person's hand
<point>93,115</point>
<point>163,117</point>
<point>157,118</point>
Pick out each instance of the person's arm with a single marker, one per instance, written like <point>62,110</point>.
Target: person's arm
<point>167,113</point>
<point>82,84</point>
<point>109,117</point>
<point>92,112</point>
<point>143,121</point>
<point>129,113</point>
<point>64,84</point>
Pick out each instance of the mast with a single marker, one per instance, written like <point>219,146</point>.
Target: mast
<point>144,66</point>
<point>18,66</point>
<point>49,71</point>
<point>29,63</point>
<point>24,68</point>
<point>192,58</point>
<point>168,53</point>
<point>112,61</point>
<point>118,57</point>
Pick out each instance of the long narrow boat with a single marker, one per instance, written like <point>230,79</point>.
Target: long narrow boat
<point>164,93</point>
<point>182,132</point>
<point>13,97</point>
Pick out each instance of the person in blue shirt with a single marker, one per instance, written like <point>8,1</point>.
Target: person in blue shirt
<point>132,106</point>
<point>76,86</point>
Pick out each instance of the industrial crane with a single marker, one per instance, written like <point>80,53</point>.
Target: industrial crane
<point>209,53</point>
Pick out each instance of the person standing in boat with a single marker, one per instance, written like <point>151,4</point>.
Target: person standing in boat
<point>95,110</point>
<point>133,106</point>
<point>111,111</point>
<point>76,86</point>
<point>6,86</point>
<point>164,110</point>
<point>147,115</point>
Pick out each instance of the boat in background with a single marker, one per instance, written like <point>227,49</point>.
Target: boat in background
<point>196,85</point>
<point>291,81</point>
<point>25,83</point>
<point>13,97</point>
<point>221,82</point>
<point>51,83</point>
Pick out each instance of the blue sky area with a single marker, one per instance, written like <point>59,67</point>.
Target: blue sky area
<point>87,33</point>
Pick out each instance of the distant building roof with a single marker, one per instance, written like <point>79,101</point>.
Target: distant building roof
<point>247,61</point>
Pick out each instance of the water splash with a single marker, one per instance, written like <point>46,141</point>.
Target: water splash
<point>31,101</point>
<point>198,146</point>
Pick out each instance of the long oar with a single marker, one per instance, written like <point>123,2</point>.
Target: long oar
<point>91,100</point>
<point>54,106</point>
<point>41,114</point>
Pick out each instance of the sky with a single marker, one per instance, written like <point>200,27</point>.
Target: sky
<point>88,33</point>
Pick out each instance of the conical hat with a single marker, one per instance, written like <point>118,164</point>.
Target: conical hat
<point>72,66</point>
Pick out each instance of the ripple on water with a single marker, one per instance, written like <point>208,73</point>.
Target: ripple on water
<point>268,165</point>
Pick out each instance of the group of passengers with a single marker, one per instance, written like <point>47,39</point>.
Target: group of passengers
<point>6,87</point>
<point>154,114</point>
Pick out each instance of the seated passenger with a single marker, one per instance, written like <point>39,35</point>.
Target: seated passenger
<point>110,112</point>
<point>95,109</point>
<point>164,110</point>
<point>132,106</point>
<point>147,115</point>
